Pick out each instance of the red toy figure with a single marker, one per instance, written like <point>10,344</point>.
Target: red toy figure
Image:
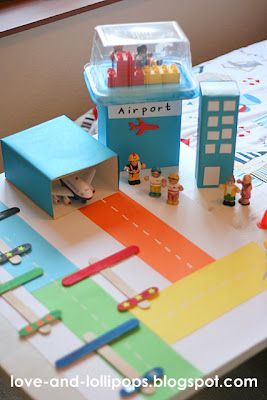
<point>174,189</point>
<point>134,168</point>
<point>246,190</point>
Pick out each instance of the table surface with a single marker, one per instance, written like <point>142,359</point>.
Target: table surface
<point>200,216</point>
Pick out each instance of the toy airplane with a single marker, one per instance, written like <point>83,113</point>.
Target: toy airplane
<point>75,186</point>
<point>142,127</point>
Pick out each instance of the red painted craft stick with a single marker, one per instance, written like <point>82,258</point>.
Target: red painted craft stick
<point>99,266</point>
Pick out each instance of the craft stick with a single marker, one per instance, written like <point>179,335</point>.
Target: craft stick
<point>36,325</point>
<point>137,386</point>
<point>19,250</point>
<point>123,287</point>
<point>20,280</point>
<point>99,266</point>
<point>24,311</point>
<point>100,341</point>
<point>117,362</point>
<point>8,212</point>
<point>5,248</point>
<point>134,301</point>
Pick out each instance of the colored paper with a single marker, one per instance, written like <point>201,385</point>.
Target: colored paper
<point>43,254</point>
<point>87,307</point>
<point>161,247</point>
<point>207,294</point>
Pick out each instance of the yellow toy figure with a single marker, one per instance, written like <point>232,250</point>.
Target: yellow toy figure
<point>246,190</point>
<point>174,189</point>
<point>230,190</point>
<point>156,182</point>
<point>134,168</point>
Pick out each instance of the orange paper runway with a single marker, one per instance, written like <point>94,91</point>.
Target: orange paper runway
<point>161,246</point>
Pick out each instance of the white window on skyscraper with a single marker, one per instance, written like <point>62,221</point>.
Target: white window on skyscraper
<point>213,105</point>
<point>213,135</point>
<point>229,105</point>
<point>210,148</point>
<point>227,133</point>
<point>226,148</point>
<point>212,121</point>
<point>228,120</point>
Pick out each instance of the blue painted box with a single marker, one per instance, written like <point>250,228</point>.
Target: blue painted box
<point>217,128</point>
<point>37,158</point>
<point>138,76</point>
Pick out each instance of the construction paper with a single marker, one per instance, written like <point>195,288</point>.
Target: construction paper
<point>87,307</point>
<point>14,231</point>
<point>207,294</point>
<point>161,247</point>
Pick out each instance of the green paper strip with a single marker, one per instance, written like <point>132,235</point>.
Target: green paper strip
<point>35,326</point>
<point>21,280</point>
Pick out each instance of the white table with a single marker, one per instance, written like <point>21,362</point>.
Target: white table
<point>231,339</point>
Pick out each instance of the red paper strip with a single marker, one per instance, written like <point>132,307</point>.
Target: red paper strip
<point>99,266</point>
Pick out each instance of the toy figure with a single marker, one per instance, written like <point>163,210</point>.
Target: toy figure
<point>156,182</point>
<point>246,190</point>
<point>142,57</point>
<point>174,189</point>
<point>230,190</point>
<point>134,168</point>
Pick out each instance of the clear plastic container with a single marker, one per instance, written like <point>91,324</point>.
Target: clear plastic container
<point>140,62</point>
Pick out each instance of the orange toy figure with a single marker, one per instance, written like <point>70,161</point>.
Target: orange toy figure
<point>174,189</point>
<point>156,182</point>
<point>246,190</point>
<point>134,168</point>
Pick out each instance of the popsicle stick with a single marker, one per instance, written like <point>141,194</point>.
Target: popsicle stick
<point>99,266</point>
<point>5,248</point>
<point>24,311</point>
<point>123,287</point>
<point>8,212</point>
<point>19,250</point>
<point>20,280</point>
<point>134,301</point>
<point>117,362</point>
<point>36,325</point>
<point>100,341</point>
<point>147,377</point>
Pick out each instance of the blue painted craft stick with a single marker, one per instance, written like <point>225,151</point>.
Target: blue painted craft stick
<point>128,391</point>
<point>96,343</point>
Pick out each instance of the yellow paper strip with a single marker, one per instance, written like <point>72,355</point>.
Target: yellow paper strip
<point>206,294</point>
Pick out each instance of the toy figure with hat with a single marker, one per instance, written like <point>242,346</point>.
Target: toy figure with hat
<point>156,182</point>
<point>134,168</point>
<point>174,189</point>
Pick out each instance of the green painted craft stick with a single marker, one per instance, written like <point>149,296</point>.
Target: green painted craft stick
<point>21,280</point>
<point>35,326</point>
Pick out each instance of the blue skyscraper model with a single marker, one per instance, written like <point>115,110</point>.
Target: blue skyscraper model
<point>218,113</point>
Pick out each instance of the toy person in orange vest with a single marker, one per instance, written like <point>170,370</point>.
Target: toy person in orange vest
<point>134,168</point>
<point>174,189</point>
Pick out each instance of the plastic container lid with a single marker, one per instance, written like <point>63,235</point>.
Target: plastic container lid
<point>133,63</point>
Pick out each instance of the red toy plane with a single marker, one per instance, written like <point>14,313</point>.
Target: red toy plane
<point>142,127</point>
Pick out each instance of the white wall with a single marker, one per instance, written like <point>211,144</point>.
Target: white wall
<point>41,69</point>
